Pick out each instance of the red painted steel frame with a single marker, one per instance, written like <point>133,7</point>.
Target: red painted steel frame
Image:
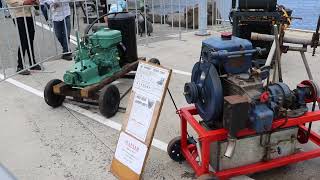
<point>207,137</point>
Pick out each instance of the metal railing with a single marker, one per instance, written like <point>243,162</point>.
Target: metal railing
<point>168,19</point>
<point>26,34</point>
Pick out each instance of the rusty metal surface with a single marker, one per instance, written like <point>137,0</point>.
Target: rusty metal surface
<point>235,114</point>
<point>235,99</point>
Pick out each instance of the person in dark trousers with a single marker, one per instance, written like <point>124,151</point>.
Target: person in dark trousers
<point>44,9</point>
<point>60,13</point>
<point>23,17</point>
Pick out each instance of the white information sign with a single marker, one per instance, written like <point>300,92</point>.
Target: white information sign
<point>150,80</point>
<point>146,100</point>
<point>140,116</point>
<point>131,152</point>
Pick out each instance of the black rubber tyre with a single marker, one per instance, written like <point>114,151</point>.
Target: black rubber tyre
<point>207,177</point>
<point>154,61</point>
<point>174,150</point>
<point>109,101</point>
<point>50,98</point>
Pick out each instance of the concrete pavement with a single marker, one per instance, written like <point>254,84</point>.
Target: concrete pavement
<point>38,142</point>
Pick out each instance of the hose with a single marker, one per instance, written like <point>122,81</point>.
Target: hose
<point>95,21</point>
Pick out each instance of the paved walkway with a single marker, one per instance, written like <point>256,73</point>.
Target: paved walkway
<point>38,142</point>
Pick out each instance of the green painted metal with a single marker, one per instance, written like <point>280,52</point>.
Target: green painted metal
<point>96,58</point>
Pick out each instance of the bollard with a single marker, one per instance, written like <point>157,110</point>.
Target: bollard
<point>203,16</point>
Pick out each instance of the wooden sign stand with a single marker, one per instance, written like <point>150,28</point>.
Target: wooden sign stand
<point>141,119</point>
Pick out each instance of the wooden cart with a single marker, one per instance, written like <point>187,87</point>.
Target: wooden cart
<point>104,93</point>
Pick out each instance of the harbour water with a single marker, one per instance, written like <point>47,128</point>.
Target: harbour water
<point>308,10</point>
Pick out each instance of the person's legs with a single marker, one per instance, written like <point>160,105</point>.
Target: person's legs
<point>66,34</point>
<point>58,30</point>
<point>66,39</point>
<point>20,65</point>
<point>23,39</point>
<point>62,31</point>
<point>24,45</point>
<point>31,33</point>
<point>44,10</point>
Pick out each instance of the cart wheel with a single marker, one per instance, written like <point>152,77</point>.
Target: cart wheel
<point>154,61</point>
<point>52,99</point>
<point>174,149</point>
<point>207,177</point>
<point>109,101</point>
<point>302,137</point>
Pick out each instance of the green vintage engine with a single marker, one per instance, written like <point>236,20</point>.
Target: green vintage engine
<point>97,57</point>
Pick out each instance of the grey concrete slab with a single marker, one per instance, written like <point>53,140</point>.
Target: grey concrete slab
<point>78,143</point>
<point>38,142</point>
<point>46,143</point>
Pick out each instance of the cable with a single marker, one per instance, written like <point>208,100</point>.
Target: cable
<point>99,18</point>
<point>176,107</point>
<point>310,124</point>
<point>89,130</point>
<point>174,103</point>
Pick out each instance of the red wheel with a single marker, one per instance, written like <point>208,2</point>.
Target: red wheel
<point>314,91</point>
<point>302,136</point>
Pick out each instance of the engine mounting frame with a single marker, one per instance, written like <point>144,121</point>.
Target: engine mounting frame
<point>206,137</point>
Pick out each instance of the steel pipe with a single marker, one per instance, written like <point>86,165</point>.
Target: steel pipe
<point>300,49</point>
<point>286,39</point>
<point>271,54</point>
<point>203,16</point>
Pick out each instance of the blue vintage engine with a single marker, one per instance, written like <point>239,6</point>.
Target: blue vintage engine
<point>227,43</point>
<point>228,92</point>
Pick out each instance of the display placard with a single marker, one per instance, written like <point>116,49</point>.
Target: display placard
<point>141,118</point>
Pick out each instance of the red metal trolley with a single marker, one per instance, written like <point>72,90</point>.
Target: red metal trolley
<point>190,153</point>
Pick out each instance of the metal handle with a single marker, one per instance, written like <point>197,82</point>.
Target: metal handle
<point>235,53</point>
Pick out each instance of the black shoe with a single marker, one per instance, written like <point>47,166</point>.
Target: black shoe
<point>37,67</point>
<point>24,72</point>
<point>67,57</point>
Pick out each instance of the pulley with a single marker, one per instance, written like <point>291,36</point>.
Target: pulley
<point>191,92</point>
<point>205,91</point>
<point>314,91</point>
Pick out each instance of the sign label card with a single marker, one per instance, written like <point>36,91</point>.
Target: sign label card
<point>150,80</point>
<point>141,118</point>
<point>131,152</point>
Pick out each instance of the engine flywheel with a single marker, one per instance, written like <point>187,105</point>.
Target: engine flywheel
<point>205,91</point>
